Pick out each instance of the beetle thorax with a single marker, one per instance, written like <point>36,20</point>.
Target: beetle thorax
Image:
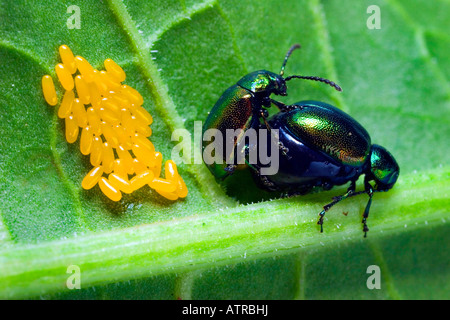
<point>263,81</point>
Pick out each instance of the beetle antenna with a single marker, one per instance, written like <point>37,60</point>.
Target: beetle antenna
<point>295,46</point>
<point>329,82</point>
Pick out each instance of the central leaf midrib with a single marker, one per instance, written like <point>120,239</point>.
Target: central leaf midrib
<point>436,181</point>
<point>102,264</point>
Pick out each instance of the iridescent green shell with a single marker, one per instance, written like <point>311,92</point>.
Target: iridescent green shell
<point>237,107</point>
<point>330,130</point>
<point>383,166</point>
<point>234,111</point>
<point>263,81</point>
<point>231,111</point>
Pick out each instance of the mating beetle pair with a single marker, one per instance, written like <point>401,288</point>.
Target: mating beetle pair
<point>319,145</point>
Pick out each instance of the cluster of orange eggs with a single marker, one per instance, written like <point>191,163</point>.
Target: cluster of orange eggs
<point>114,129</point>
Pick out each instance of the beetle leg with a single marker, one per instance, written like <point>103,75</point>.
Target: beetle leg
<point>284,150</point>
<point>369,190</point>
<point>284,107</point>
<point>264,114</point>
<point>256,172</point>
<point>230,168</point>
<point>349,193</point>
<point>280,105</point>
<point>246,158</point>
<point>270,185</point>
<point>266,102</point>
<point>265,181</point>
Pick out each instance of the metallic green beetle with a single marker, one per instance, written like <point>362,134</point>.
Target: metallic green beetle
<point>243,106</point>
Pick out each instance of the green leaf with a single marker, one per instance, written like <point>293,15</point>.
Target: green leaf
<point>231,240</point>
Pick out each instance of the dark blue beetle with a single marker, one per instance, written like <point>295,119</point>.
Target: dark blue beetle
<point>325,147</point>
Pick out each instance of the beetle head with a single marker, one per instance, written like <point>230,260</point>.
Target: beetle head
<point>383,167</point>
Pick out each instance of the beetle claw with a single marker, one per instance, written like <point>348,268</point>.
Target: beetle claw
<point>320,222</point>
<point>365,228</point>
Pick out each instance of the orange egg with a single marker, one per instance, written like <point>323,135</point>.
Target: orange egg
<point>115,127</point>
